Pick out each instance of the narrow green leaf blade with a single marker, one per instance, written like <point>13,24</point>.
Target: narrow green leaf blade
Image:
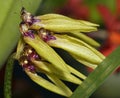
<point>97,77</point>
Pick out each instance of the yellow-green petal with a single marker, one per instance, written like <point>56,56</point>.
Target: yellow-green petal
<point>60,84</point>
<point>84,62</point>
<point>77,73</point>
<point>20,47</point>
<point>51,16</point>
<point>84,38</point>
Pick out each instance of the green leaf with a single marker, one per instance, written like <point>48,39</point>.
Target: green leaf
<point>9,24</point>
<point>60,23</point>
<point>97,77</point>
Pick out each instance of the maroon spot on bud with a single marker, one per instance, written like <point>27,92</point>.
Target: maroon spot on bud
<point>27,50</point>
<point>29,33</point>
<point>23,60</point>
<point>46,35</point>
<point>31,68</point>
<point>51,37</point>
<point>28,54</point>
<point>25,66</point>
<point>30,20</point>
<point>33,20</point>
<point>33,55</point>
<point>48,38</point>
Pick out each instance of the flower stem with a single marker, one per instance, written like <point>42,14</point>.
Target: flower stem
<point>8,77</point>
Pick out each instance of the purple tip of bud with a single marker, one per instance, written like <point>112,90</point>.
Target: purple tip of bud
<point>46,35</point>
<point>32,20</point>
<point>31,68</point>
<point>52,38</point>
<point>34,56</point>
<point>29,33</point>
<point>25,66</point>
<point>49,37</point>
<point>35,20</point>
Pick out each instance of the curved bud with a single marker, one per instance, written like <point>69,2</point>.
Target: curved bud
<point>58,16</point>
<point>62,25</point>
<point>47,68</point>
<point>50,86</point>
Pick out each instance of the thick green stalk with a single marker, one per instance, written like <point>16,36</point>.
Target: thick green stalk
<point>8,77</point>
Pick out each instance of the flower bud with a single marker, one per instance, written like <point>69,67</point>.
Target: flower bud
<point>62,25</point>
<point>57,23</point>
<point>47,68</point>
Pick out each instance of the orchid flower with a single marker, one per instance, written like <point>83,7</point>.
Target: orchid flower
<point>36,55</point>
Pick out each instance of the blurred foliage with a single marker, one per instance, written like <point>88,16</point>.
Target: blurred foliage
<point>94,14</point>
<point>9,24</point>
<point>48,6</point>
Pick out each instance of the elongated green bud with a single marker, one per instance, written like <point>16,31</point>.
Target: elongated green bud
<point>62,25</point>
<point>58,16</point>
<point>56,23</point>
<point>47,68</point>
<point>48,85</point>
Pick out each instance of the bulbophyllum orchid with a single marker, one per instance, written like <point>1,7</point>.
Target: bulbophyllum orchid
<point>36,55</point>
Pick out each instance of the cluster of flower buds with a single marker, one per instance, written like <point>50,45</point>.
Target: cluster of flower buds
<point>28,54</point>
<point>35,52</point>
